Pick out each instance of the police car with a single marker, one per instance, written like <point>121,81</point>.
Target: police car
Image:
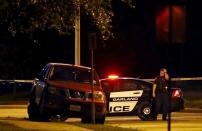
<point>132,96</point>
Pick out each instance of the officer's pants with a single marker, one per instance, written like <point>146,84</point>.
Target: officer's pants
<point>161,104</point>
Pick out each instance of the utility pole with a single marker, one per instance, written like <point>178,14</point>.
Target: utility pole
<point>92,46</point>
<point>170,40</point>
<point>77,51</point>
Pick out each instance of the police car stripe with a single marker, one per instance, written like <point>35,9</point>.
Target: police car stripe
<point>124,101</point>
<point>136,93</point>
<point>119,107</point>
<point>118,99</point>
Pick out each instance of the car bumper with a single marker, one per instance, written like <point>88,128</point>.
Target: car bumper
<point>177,104</point>
<point>72,107</point>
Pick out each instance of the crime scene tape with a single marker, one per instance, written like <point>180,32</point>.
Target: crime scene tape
<point>172,79</point>
<point>16,81</point>
<point>180,79</point>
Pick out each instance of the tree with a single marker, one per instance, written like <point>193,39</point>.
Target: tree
<point>26,18</point>
<point>27,15</point>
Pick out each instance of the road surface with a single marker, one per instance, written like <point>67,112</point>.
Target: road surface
<point>181,121</point>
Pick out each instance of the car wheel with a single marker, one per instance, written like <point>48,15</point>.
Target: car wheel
<point>144,111</point>
<point>33,112</point>
<point>86,117</point>
<point>32,109</point>
<point>63,118</point>
<point>44,115</point>
<point>100,119</point>
<point>59,118</point>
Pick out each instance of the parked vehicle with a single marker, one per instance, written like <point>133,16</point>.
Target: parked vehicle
<point>132,96</point>
<point>64,90</point>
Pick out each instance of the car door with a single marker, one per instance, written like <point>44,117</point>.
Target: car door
<point>40,83</point>
<point>123,95</point>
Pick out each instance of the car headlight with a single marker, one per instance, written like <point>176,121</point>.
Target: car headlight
<point>98,96</point>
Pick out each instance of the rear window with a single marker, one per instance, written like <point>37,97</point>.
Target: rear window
<point>63,73</point>
<point>120,85</point>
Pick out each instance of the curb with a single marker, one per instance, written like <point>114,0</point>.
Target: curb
<point>13,106</point>
<point>192,110</point>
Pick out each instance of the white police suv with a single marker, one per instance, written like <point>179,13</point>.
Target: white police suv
<point>132,96</point>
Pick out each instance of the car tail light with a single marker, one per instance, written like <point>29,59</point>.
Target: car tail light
<point>177,93</point>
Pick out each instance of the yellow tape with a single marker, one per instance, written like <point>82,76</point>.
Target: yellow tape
<point>180,79</point>
<point>22,81</point>
<point>172,79</point>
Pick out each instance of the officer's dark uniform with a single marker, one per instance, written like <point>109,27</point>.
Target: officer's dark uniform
<point>161,96</point>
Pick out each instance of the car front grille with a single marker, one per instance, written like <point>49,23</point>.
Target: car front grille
<point>68,93</point>
<point>76,94</point>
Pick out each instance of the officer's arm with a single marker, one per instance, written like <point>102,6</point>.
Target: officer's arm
<point>153,90</point>
<point>167,76</point>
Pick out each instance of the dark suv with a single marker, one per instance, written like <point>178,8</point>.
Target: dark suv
<point>64,90</point>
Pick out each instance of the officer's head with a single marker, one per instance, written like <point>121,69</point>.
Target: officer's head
<point>163,71</point>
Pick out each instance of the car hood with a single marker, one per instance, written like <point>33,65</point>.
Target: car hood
<point>85,87</point>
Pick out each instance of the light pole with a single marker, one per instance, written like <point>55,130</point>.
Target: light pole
<point>92,46</point>
<point>77,51</point>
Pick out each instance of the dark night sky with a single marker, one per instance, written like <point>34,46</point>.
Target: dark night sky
<point>134,51</point>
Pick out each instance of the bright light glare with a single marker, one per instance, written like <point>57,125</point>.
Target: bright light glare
<point>176,93</point>
<point>113,76</point>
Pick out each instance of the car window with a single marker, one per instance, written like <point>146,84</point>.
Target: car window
<point>120,85</point>
<point>145,85</point>
<point>128,85</point>
<point>63,73</point>
<point>44,72</point>
<point>108,85</point>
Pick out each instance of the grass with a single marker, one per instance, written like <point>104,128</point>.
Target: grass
<point>19,98</point>
<point>193,99</point>
<point>101,127</point>
<point>71,126</point>
<point>10,127</point>
<point>193,103</point>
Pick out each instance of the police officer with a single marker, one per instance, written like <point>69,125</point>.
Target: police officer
<point>160,93</point>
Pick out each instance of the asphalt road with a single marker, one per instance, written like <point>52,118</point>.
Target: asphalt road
<point>181,121</point>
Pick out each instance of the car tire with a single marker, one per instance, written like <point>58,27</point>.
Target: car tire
<point>32,109</point>
<point>100,119</point>
<point>63,118</point>
<point>86,120</point>
<point>43,114</point>
<point>33,112</point>
<point>57,118</point>
<point>144,111</point>
<point>86,117</point>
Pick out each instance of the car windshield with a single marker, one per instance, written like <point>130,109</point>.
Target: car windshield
<point>63,73</point>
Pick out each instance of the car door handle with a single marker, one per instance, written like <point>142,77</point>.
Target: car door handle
<point>136,93</point>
